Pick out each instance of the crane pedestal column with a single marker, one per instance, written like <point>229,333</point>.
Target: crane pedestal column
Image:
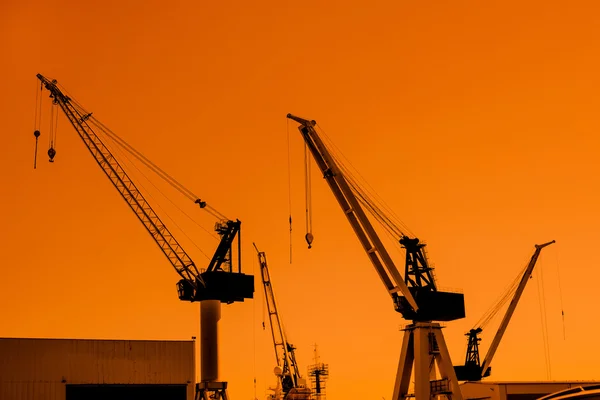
<point>424,348</point>
<point>209,386</point>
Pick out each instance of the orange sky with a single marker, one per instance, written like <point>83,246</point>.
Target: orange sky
<point>475,121</point>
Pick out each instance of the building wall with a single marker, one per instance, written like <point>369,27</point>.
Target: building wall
<point>32,369</point>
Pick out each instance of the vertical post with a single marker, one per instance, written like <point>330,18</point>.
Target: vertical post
<point>445,364</point>
<point>240,249</point>
<point>210,314</point>
<point>405,365</point>
<point>421,352</point>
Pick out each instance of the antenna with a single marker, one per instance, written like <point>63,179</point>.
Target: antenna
<point>318,372</point>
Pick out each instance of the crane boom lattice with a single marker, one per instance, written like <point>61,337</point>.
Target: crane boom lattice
<point>211,287</point>
<point>180,260</point>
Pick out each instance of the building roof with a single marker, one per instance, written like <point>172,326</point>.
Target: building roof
<point>90,339</point>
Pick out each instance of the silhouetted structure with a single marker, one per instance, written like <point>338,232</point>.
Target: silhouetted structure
<point>318,372</point>
<point>474,370</point>
<point>218,283</point>
<point>290,384</point>
<point>415,295</point>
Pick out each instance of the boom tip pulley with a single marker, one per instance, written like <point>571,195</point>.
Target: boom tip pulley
<point>541,246</point>
<point>301,120</point>
<point>201,203</point>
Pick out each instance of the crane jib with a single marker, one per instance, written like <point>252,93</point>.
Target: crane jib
<point>214,284</point>
<point>418,282</point>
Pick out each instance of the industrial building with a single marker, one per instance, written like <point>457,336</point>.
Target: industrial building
<point>76,369</point>
<point>516,390</point>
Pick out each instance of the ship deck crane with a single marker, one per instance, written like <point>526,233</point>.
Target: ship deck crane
<point>416,296</point>
<point>219,283</point>
<point>290,384</point>
<point>474,370</point>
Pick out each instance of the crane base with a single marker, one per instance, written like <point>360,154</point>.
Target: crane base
<point>211,391</point>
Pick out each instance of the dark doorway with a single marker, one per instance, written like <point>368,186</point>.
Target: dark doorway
<point>126,392</point>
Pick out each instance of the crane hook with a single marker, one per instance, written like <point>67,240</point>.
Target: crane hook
<point>51,154</point>
<point>309,239</point>
<point>36,133</point>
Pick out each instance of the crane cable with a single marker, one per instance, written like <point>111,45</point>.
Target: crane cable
<point>368,198</point>
<point>289,183</point>
<point>308,196</point>
<point>562,309</point>
<point>501,301</point>
<point>53,130</point>
<point>124,145</point>
<point>37,120</point>
<point>50,133</point>
<point>364,196</point>
<point>254,334</point>
<point>544,321</point>
<point>165,212</point>
<point>155,168</point>
<point>166,197</point>
<point>85,116</point>
<point>114,139</point>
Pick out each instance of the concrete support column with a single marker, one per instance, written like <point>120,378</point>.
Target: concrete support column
<point>210,314</point>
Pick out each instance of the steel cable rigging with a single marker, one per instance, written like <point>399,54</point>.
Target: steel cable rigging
<point>368,198</point>
<point>143,159</point>
<point>508,294</point>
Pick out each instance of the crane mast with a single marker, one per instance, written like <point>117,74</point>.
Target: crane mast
<point>290,383</point>
<point>423,346</point>
<point>473,370</point>
<point>211,287</point>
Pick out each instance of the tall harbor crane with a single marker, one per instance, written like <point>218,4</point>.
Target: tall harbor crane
<point>218,283</point>
<point>416,296</point>
<point>474,370</point>
<point>290,384</point>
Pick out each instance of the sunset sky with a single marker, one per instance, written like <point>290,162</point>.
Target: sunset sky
<point>477,123</point>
